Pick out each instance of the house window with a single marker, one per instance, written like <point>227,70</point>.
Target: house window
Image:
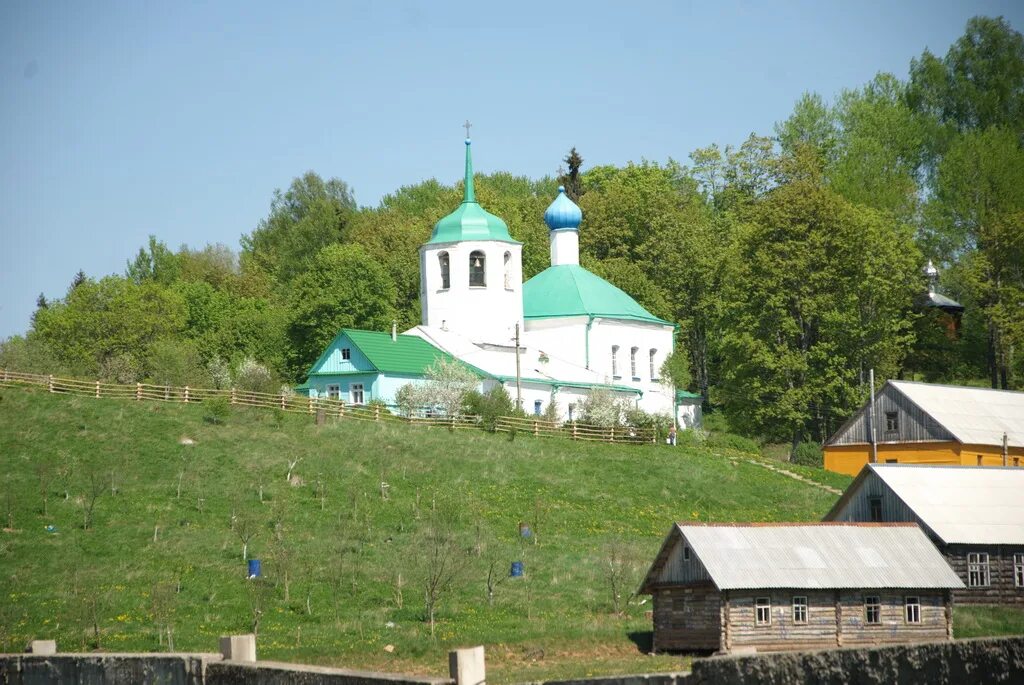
<point>477,266</point>
<point>654,371</point>
<point>536,407</point>
<point>632,363</point>
<point>446,272</point>
<point>508,271</point>
<point>346,353</point>
<point>892,461</point>
<point>913,609</point>
<point>615,361</point>
<point>872,610</point>
<point>977,569</point>
<point>763,611</point>
<point>1016,461</point>
<point>980,460</point>
<point>1018,570</point>
<point>334,392</point>
<point>875,504</point>
<point>686,552</point>
<point>799,610</point>
<point>355,393</point>
<point>892,422</point>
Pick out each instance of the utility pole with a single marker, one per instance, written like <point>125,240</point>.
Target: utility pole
<point>871,418</point>
<point>519,378</point>
<point>1006,449</point>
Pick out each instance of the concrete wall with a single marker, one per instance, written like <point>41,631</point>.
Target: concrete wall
<point>965,662</point>
<point>274,673</point>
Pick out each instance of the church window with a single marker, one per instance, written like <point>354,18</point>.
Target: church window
<point>654,370</point>
<point>615,361</point>
<point>446,275</point>
<point>346,353</point>
<point>508,271</point>
<point>632,364</point>
<point>477,264</point>
<point>355,393</point>
<point>536,407</point>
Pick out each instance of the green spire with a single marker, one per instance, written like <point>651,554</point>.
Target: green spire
<point>470,193</point>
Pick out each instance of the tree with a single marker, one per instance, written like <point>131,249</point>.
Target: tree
<point>303,220</point>
<point>441,563</point>
<point>343,288</point>
<point>816,291</point>
<point>812,124</point>
<point>600,408</point>
<point>571,178</point>
<point>449,382</point>
<point>157,264</point>
<point>978,211</point>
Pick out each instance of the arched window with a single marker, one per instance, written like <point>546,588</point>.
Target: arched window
<point>477,266</point>
<point>632,363</point>
<point>654,371</point>
<point>615,361</point>
<point>446,277</point>
<point>508,270</point>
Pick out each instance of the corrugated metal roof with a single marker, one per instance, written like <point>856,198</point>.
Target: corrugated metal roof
<point>819,556</point>
<point>961,504</point>
<point>975,416</point>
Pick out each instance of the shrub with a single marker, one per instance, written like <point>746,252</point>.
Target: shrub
<point>489,405</point>
<point>807,454</point>
<point>600,408</point>
<point>733,442</point>
<point>254,377</point>
<point>216,410</point>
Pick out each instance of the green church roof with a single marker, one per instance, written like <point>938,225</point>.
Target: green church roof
<point>571,290</point>
<point>470,221</point>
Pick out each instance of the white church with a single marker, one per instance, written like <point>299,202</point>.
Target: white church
<point>576,331</point>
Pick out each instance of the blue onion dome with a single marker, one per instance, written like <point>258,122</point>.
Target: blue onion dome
<point>563,213</point>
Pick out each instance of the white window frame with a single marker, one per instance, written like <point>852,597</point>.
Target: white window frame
<point>1018,570</point>
<point>912,609</point>
<point>800,609</point>
<point>763,611</point>
<point>873,608</point>
<point>346,354</point>
<point>333,391</point>
<point>892,418</point>
<point>978,570</point>
<point>652,354</point>
<point>632,362</point>
<point>352,389</point>
<point>615,361</point>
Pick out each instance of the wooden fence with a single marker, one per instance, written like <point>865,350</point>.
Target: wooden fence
<point>291,402</point>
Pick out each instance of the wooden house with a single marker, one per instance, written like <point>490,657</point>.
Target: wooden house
<point>975,517</point>
<point>775,587</point>
<point>925,423</point>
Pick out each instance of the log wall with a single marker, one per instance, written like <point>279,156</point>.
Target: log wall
<point>1001,589</point>
<point>687,618</point>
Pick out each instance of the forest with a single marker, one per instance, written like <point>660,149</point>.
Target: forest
<point>793,261</point>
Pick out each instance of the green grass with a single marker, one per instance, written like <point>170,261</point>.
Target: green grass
<point>359,557</point>
<point>983,621</point>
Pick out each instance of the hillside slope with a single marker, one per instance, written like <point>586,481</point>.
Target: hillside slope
<point>355,552</point>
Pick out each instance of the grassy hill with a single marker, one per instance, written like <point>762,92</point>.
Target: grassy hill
<point>164,548</point>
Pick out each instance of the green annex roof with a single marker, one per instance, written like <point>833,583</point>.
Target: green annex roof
<point>571,290</point>
<point>470,221</point>
<point>407,354</point>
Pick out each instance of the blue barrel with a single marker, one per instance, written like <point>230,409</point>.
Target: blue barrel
<point>254,568</point>
<point>517,569</point>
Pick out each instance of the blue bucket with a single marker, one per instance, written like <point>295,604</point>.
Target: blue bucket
<point>517,569</point>
<point>254,568</point>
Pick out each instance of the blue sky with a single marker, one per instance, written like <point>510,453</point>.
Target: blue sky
<point>124,119</point>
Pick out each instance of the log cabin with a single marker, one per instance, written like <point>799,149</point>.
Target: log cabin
<point>773,587</point>
<point>974,516</point>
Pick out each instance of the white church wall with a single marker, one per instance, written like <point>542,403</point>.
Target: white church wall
<point>561,338</point>
<point>481,313</point>
<point>644,337</point>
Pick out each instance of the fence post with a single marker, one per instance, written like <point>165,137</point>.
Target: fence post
<point>453,423</point>
<point>232,396</point>
<point>5,375</point>
<point>535,431</point>
<point>611,437</point>
<point>574,431</point>
<point>186,394</point>
<point>97,389</point>
<point>138,392</point>
<point>282,400</point>
<point>376,412</point>
<point>341,409</point>
<point>310,405</point>
<point>49,383</point>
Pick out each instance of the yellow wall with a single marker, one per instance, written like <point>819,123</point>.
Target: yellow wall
<point>850,459</point>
